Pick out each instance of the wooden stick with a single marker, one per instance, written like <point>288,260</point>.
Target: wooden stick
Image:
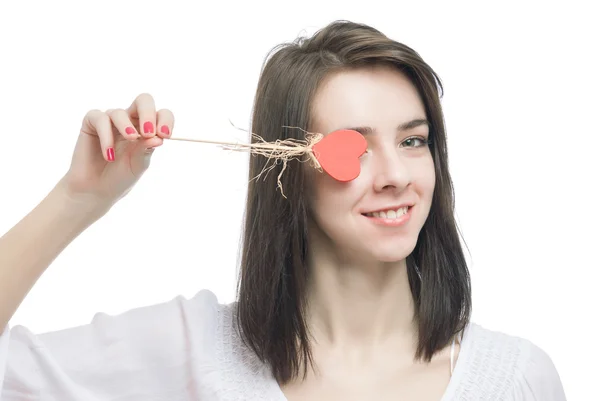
<point>206,141</point>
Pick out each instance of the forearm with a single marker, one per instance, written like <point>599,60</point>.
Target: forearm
<point>31,246</point>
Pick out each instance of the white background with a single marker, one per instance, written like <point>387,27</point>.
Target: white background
<point>521,106</point>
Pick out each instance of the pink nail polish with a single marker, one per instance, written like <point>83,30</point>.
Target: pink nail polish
<point>130,130</point>
<point>164,129</point>
<point>110,154</point>
<point>148,127</point>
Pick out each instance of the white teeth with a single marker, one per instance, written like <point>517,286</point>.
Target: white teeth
<point>389,214</point>
<point>402,210</point>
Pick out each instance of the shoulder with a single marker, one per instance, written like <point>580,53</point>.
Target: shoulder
<point>158,347</point>
<point>234,367</point>
<point>140,332</point>
<point>217,323</point>
<point>508,366</point>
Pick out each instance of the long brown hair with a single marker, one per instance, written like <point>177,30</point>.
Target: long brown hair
<point>273,276</point>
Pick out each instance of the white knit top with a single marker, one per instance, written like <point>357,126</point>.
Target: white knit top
<point>187,349</point>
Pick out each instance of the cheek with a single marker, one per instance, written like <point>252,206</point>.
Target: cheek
<point>330,197</point>
<point>425,179</point>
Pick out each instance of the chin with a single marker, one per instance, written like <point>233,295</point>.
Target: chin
<point>390,257</point>
<point>391,251</point>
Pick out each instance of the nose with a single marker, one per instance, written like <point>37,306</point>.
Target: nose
<point>391,172</point>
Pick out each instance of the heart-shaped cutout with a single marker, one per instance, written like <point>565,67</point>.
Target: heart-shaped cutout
<point>338,153</point>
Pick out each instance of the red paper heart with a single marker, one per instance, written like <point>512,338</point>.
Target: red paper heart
<point>338,153</point>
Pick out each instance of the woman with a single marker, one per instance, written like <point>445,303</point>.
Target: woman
<point>348,290</point>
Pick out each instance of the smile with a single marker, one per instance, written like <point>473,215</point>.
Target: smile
<point>392,217</point>
<point>389,214</point>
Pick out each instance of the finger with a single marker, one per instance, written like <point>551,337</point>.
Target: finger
<point>98,123</point>
<point>144,109</point>
<point>165,121</point>
<point>120,119</point>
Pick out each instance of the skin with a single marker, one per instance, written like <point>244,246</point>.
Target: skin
<point>360,306</point>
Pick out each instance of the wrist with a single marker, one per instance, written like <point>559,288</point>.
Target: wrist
<point>84,209</point>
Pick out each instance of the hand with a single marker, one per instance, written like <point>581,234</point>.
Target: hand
<point>114,150</point>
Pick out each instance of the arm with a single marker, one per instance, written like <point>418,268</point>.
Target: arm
<point>83,363</point>
<point>148,352</point>
<point>29,247</point>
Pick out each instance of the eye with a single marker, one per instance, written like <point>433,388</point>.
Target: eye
<point>415,142</point>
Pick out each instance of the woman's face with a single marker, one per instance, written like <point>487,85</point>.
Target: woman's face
<point>366,218</point>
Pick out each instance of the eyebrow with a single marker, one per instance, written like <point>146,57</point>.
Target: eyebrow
<point>417,122</point>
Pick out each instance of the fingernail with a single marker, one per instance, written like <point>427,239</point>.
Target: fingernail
<point>110,154</point>
<point>164,129</point>
<point>130,130</point>
<point>148,127</point>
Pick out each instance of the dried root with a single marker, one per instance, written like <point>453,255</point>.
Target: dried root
<point>278,151</point>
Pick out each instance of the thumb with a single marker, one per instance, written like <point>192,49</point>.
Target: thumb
<point>142,154</point>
